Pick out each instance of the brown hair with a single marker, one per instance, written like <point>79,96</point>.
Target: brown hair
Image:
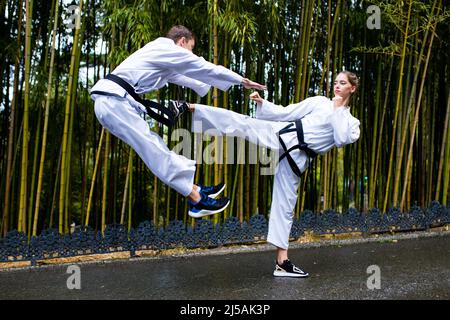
<point>177,32</point>
<point>352,78</point>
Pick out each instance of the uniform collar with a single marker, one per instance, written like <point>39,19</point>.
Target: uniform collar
<point>165,40</point>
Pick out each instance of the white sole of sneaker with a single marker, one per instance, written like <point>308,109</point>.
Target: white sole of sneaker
<point>218,192</point>
<point>204,213</point>
<point>277,273</point>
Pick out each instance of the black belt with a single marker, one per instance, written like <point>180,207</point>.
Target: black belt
<point>165,116</point>
<point>301,145</point>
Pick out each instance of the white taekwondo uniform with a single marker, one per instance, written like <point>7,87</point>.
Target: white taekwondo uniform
<point>150,68</point>
<point>323,128</point>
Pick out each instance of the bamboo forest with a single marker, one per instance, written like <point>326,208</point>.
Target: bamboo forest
<point>59,168</point>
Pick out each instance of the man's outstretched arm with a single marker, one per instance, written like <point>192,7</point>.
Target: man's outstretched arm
<point>184,62</point>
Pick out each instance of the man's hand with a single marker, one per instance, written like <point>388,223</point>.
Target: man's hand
<point>249,84</point>
<point>191,107</point>
<point>256,97</point>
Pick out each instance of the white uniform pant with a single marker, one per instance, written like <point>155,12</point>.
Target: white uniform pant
<point>264,133</point>
<point>123,120</point>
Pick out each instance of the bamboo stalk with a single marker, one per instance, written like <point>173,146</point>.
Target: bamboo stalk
<point>215,96</point>
<point>227,52</point>
<point>84,182</point>
<point>130,193</point>
<point>408,165</point>
<point>94,175</point>
<point>105,180</point>
<point>21,224</point>
<point>125,189</point>
<point>397,106</point>
<point>431,164</point>
<point>405,126</point>
<point>301,52</point>
<point>70,90</point>
<point>46,119</point>
<point>373,155</point>
<point>377,170</point>
<point>443,163</point>
<point>33,175</point>
<point>55,188</point>
<point>11,129</point>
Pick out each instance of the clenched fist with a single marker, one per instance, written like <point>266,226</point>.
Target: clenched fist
<point>256,97</point>
<point>338,102</point>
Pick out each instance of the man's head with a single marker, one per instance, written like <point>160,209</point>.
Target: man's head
<point>182,37</point>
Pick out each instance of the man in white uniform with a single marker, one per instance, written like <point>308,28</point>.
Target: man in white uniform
<point>166,59</point>
<point>324,124</point>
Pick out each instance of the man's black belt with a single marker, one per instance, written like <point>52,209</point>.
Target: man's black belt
<point>301,145</point>
<point>165,116</point>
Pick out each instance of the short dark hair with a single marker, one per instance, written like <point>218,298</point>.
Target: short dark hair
<point>177,32</point>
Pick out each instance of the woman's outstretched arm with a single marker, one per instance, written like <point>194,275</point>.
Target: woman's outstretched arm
<point>269,111</point>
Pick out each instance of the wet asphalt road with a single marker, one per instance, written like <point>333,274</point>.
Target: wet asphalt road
<point>409,268</point>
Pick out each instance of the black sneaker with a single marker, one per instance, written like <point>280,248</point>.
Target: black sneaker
<point>287,269</point>
<point>178,108</point>
<point>207,206</point>
<point>212,191</point>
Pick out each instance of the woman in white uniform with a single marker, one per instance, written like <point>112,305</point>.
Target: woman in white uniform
<point>325,123</point>
<point>166,59</point>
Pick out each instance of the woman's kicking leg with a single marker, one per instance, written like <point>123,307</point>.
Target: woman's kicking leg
<point>218,122</point>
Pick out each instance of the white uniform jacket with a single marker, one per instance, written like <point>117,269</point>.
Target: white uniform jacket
<point>162,61</point>
<point>150,68</point>
<point>323,127</point>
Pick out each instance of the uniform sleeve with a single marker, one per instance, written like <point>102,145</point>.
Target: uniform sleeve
<point>182,61</point>
<point>273,112</point>
<point>345,127</point>
<point>199,87</point>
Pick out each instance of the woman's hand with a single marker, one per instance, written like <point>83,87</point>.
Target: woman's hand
<point>338,101</point>
<point>256,97</point>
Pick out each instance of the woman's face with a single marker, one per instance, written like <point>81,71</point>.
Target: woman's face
<point>342,86</point>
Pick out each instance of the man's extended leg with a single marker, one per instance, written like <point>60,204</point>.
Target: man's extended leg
<point>121,119</point>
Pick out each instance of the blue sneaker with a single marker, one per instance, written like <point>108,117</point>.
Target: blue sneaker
<point>212,191</point>
<point>207,206</point>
